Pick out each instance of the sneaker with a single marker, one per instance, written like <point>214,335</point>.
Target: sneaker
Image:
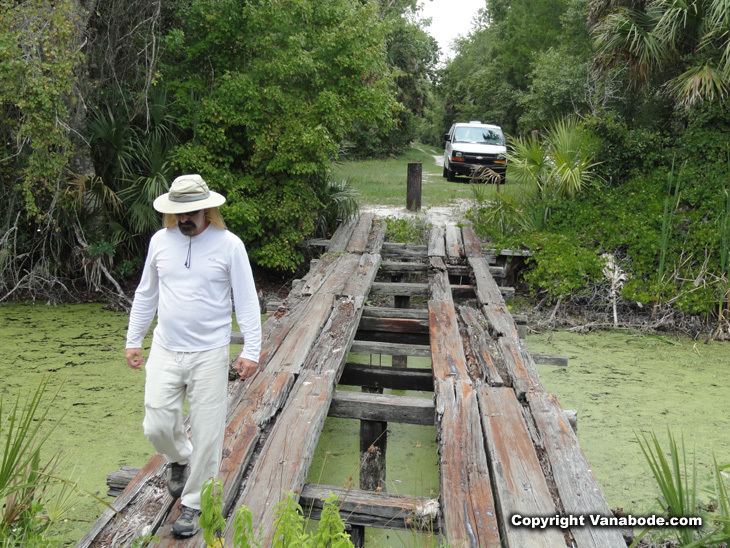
<point>176,478</point>
<point>187,524</point>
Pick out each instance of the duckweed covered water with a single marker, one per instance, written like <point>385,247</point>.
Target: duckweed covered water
<point>79,348</point>
<point>619,384</point>
<point>623,385</point>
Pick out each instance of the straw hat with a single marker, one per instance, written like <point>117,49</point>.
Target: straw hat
<point>187,193</point>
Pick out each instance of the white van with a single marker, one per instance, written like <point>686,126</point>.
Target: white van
<point>476,150</point>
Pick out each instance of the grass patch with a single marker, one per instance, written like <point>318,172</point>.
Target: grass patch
<point>383,181</point>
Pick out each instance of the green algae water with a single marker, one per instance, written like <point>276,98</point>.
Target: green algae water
<point>620,384</point>
<point>79,348</point>
<point>624,385</point>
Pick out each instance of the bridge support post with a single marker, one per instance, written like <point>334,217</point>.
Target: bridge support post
<point>400,301</point>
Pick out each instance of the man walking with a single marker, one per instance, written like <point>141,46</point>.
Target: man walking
<point>193,268</point>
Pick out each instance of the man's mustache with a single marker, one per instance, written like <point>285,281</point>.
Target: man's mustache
<point>186,224</point>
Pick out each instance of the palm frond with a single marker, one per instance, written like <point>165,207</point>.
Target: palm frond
<point>527,161</point>
<point>703,83</point>
<point>626,36</point>
<point>675,19</point>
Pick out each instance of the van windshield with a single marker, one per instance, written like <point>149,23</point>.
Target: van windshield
<point>478,135</point>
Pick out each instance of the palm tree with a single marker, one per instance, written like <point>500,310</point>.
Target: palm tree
<point>683,45</point>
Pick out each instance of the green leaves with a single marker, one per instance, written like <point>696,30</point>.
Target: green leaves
<point>267,91</point>
<point>561,164</point>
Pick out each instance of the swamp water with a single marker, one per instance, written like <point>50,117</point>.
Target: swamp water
<point>620,384</point>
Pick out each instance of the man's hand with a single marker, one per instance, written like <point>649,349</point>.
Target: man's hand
<point>134,357</point>
<point>245,367</point>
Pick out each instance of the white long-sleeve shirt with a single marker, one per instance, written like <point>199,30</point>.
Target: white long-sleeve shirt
<point>193,304</point>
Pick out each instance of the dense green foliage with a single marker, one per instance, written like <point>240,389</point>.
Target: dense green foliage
<point>266,115</point>
<point>649,82</point>
<point>412,56</point>
<point>101,109</point>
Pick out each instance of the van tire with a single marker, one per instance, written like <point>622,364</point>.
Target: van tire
<point>445,173</point>
<point>450,176</point>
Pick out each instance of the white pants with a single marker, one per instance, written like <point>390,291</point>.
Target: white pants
<point>203,377</point>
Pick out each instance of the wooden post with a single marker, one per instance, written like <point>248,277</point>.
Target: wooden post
<point>400,301</point>
<point>413,197</point>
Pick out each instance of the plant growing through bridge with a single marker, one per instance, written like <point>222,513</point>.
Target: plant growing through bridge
<point>289,525</point>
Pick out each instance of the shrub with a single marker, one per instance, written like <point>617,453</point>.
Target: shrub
<point>558,265</point>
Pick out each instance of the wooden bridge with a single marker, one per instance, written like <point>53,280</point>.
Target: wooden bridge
<point>505,445</point>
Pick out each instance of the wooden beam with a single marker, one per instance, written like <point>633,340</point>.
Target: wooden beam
<point>359,239</point>
<point>341,237</point>
<point>546,359</point>
<point>454,244</point>
<point>394,325</point>
<point>520,485</point>
<point>466,494</point>
<point>579,492</point>
<point>284,460</point>
<point>373,509</point>
<point>392,337</point>
<point>382,407</point>
<point>390,349</point>
<point>396,267</point>
<point>415,289</point>
<point>356,374</point>
<point>467,503</point>
<point>478,341</point>
<point>387,312</point>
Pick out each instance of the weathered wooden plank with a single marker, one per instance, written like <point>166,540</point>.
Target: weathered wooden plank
<point>284,460</point>
<point>374,509</point>
<point>454,244</point>
<point>472,245</point>
<point>447,353</point>
<point>404,251</point>
<point>467,505</point>
<point>402,267</point>
<point>342,235</point>
<point>416,289</point>
<point>486,288</point>
<point>488,250</point>
<point>436,242</point>
<point>359,239</point>
<point>387,337</point>
<point>481,346</point>
<point>316,276</point>
<point>356,374</point>
<point>519,366</point>
<point>394,325</point>
<point>500,322</point>
<point>340,272</point>
<point>390,349</point>
<point>395,267</point>
<point>579,492</point>
<point>382,407</point>
<point>520,486</point>
<point>399,288</point>
<point>104,528</point>
<point>387,312</point>
<point>376,238</point>
<point>293,349</point>
<point>363,275</point>
<point>546,359</point>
